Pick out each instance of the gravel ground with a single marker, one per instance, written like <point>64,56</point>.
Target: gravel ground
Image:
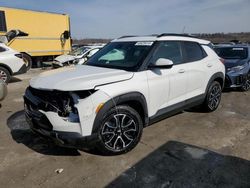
<point>26,160</point>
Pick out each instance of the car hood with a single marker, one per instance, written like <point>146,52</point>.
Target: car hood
<point>65,58</point>
<point>80,77</point>
<point>229,63</point>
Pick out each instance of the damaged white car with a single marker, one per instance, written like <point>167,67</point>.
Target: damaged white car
<point>78,56</point>
<point>129,84</point>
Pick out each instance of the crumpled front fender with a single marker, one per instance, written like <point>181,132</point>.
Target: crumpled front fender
<point>87,110</point>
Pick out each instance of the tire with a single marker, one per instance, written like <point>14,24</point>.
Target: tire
<point>4,75</point>
<point>27,60</point>
<point>120,131</point>
<point>213,97</point>
<point>246,84</point>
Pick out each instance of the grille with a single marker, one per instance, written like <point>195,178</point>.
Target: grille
<point>50,100</point>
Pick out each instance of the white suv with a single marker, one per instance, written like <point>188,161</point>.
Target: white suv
<point>11,63</point>
<point>126,86</point>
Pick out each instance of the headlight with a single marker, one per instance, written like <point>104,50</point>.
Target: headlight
<point>238,68</point>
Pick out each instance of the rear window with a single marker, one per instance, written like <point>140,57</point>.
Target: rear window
<point>232,52</point>
<point>3,27</point>
<point>193,51</point>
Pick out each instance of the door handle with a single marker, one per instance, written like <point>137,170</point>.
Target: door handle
<point>181,71</point>
<point>209,65</point>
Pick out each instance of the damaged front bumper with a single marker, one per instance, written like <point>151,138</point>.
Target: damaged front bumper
<point>66,139</point>
<point>71,130</point>
<point>40,124</point>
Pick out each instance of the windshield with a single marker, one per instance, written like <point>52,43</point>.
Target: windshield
<point>121,55</point>
<point>232,52</point>
<point>79,51</point>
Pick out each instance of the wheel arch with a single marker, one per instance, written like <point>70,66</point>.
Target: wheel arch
<point>7,68</point>
<point>135,100</point>
<point>219,77</point>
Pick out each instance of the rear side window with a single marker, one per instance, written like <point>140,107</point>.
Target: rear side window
<point>3,27</point>
<point>193,51</point>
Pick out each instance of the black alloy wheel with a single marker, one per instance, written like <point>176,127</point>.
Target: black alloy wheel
<point>120,131</point>
<point>246,84</point>
<point>4,75</point>
<point>213,97</point>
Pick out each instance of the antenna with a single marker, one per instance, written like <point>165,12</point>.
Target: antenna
<point>183,30</point>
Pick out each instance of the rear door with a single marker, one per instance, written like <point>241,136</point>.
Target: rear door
<point>197,68</point>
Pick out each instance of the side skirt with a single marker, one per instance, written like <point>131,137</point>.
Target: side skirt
<point>176,108</point>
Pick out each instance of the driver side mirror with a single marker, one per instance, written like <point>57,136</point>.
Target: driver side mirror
<point>162,63</point>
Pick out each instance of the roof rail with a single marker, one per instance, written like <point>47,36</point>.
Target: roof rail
<point>175,34</point>
<point>126,36</point>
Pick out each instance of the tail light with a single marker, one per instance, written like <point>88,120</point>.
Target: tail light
<point>19,56</point>
<point>222,60</point>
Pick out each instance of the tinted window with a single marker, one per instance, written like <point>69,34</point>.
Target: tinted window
<point>193,51</point>
<point>232,52</point>
<point>168,50</point>
<point>2,22</point>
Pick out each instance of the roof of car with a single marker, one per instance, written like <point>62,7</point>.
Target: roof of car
<point>232,46</point>
<point>162,37</point>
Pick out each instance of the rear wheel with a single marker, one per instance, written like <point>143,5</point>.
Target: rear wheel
<point>4,74</point>
<point>213,97</point>
<point>120,130</point>
<point>246,84</point>
<point>27,60</point>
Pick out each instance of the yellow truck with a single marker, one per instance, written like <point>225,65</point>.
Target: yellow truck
<point>39,36</point>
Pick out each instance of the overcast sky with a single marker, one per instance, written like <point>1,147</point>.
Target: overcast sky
<point>113,18</point>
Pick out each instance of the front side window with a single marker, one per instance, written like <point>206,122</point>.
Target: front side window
<point>121,55</point>
<point>193,51</point>
<point>232,52</point>
<point>168,50</point>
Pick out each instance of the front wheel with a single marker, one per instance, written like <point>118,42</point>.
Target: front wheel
<point>4,74</point>
<point>246,84</point>
<point>120,130</point>
<point>213,97</point>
